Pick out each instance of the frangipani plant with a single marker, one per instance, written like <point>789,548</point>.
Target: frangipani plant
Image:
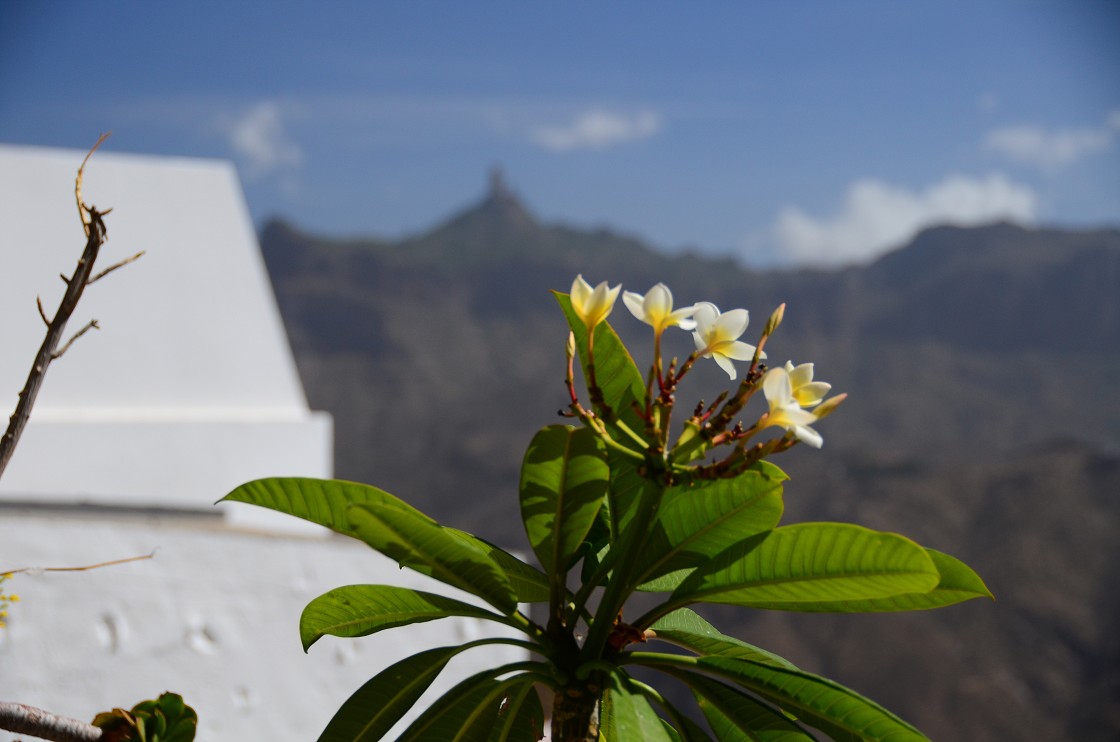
<point>620,501</point>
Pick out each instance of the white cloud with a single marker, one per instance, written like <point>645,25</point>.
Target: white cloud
<point>1048,150</point>
<point>260,139</point>
<point>597,129</point>
<point>878,216</point>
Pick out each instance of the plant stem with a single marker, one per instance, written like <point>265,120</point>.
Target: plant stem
<point>574,712</point>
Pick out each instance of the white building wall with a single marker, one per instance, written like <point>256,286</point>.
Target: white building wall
<point>188,390</point>
<point>214,616</point>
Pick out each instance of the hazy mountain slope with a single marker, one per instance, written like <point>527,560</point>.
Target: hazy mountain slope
<point>967,338</point>
<point>967,354</point>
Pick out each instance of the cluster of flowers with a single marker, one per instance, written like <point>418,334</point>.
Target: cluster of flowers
<point>5,600</point>
<point>790,390</point>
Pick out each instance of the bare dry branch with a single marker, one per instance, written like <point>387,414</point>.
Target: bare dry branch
<point>91,325</point>
<point>114,266</point>
<point>94,226</point>
<point>42,312</point>
<point>83,210</point>
<point>23,719</point>
<point>87,567</point>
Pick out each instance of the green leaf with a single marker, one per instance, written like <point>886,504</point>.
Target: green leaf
<point>698,521</point>
<point>666,583</point>
<point>530,584</point>
<point>626,714</point>
<point>628,490</point>
<point>840,712</point>
<point>674,735</point>
<point>416,541</point>
<point>622,385</point>
<point>687,629</point>
<point>735,715</point>
<point>326,502</point>
<point>811,564</point>
<point>163,719</point>
<point>957,584</point>
<point>467,713</point>
<point>521,718</point>
<point>690,731</point>
<point>596,546</point>
<point>361,610</point>
<point>321,501</point>
<point>564,479</point>
<point>380,703</point>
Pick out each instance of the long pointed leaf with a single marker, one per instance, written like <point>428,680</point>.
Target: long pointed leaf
<point>687,629</point>
<point>325,501</point>
<point>628,490</point>
<point>627,715</point>
<point>385,698</point>
<point>840,712</point>
<point>361,610</point>
<point>417,542</point>
<point>958,583</point>
<point>735,715</point>
<point>466,713</point>
<point>530,584</point>
<point>564,479</point>
<point>809,564</point>
<point>690,731</point>
<point>321,501</point>
<point>697,522</point>
<point>521,718</point>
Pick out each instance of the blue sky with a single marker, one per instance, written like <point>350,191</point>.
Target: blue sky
<point>818,132</point>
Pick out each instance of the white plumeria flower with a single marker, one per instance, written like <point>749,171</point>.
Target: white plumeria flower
<point>656,309</point>
<point>807,392</point>
<point>785,410</point>
<point>717,335</point>
<point>592,305</point>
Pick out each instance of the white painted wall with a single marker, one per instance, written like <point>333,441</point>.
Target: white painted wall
<point>190,388</point>
<point>188,391</point>
<point>213,616</point>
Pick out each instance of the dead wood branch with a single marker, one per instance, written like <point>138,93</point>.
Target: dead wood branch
<point>94,226</point>
<point>84,568</point>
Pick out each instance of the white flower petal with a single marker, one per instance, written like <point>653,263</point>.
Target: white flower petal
<point>799,375</point>
<point>776,387</point>
<point>812,393</point>
<point>678,319</point>
<point>738,351</point>
<point>705,315</point>
<point>808,436</point>
<point>634,302</point>
<point>724,363</point>
<point>731,325</point>
<point>658,302</point>
<point>794,415</point>
<point>592,305</point>
<point>581,292</point>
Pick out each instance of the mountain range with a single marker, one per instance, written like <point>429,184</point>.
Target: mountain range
<point>983,419</point>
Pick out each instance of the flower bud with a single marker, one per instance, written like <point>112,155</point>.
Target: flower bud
<point>829,406</point>
<point>775,320</point>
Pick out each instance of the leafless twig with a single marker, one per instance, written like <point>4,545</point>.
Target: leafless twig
<point>99,565</point>
<point>94,226</point>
